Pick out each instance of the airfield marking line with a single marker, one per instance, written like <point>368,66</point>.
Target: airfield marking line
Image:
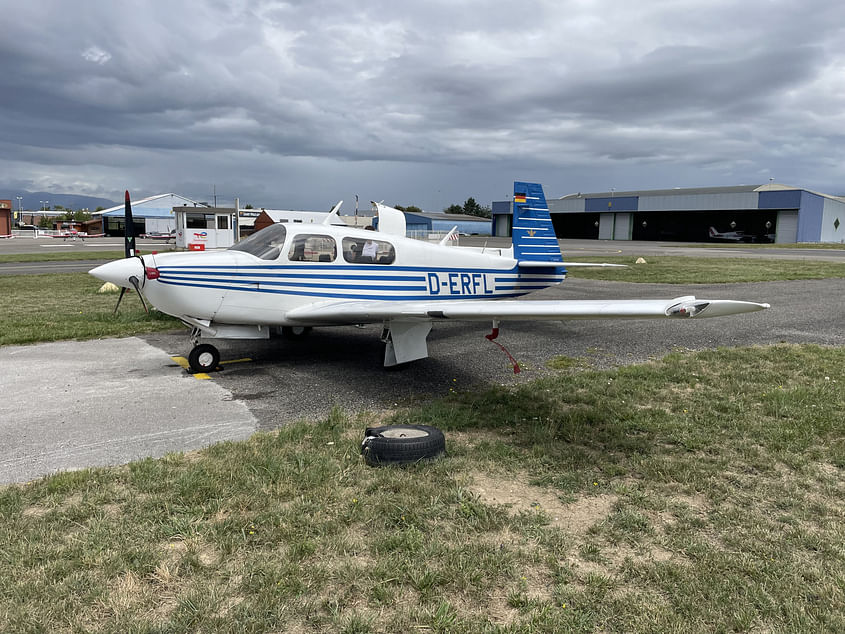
<point>202,376</point>
<point>244,360</point>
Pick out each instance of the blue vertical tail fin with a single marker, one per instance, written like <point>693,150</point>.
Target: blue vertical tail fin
<point>534,238</point>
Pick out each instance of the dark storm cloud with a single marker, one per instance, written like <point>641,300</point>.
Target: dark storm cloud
<point>250,91</point>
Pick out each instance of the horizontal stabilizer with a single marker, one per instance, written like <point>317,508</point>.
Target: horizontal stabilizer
<point>602,265</point>
<point>534,264</point>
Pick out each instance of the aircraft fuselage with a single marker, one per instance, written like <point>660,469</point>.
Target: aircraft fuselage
<point>237,287</point>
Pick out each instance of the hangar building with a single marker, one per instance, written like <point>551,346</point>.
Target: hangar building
<point>421,224</point>
<point>149,215</point>
<point>762,213</point>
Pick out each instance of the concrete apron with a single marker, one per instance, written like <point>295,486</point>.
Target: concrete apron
<point>76,404</point>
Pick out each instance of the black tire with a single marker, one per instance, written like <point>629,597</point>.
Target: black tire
<point>402,444</point>
<point>204,358</point>
<point>295,332</point>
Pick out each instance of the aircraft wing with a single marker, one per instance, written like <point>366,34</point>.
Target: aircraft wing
<point>356,312</point>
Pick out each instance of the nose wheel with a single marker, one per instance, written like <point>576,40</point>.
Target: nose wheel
<point>204,358</point>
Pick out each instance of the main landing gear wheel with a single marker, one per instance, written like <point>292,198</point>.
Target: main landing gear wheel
<point>295,332</point>
<point>402,444</point>
<point>204,358</point>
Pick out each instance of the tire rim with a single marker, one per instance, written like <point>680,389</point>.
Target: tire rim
<point>205,359</point>
<point>404,432</point>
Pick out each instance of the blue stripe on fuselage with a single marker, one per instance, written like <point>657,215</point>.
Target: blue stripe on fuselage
<point>323,280</point>
<point>355,296</point>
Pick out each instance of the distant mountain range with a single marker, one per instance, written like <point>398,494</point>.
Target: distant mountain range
<point>31,201</point>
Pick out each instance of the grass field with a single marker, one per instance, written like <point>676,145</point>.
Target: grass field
<point>703,492</point>
<point>704,270</point>
<point>67,306</point>
<point>743,245</point>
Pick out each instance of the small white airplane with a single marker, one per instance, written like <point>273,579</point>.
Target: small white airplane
<point>730,236</point>
<point>157,235</point>
<point>74,234</point>
<point>292,277</point>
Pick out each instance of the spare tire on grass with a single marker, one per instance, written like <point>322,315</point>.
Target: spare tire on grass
<point>402,444</point>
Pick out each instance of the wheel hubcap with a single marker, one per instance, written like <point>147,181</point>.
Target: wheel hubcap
<point>206,359</point>
<point>404,433</point>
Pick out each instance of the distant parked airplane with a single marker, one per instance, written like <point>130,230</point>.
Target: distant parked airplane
<point>74,234</point>
<point>730,236</point>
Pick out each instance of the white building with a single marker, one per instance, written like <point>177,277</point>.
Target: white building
<point>153,214</point>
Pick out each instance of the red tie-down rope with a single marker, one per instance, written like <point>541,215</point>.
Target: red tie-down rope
<point>492,336</point>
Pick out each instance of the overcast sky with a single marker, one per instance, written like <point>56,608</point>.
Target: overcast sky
<point>299,104</point>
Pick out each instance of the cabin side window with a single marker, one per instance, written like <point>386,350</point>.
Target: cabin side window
<point>365,251</point>
<point>265,244</point>
<point>312,248</point>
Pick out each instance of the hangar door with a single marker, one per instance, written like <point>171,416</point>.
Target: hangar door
<point>606,226</point>
<point>622,227</point>
<point>787,227</point>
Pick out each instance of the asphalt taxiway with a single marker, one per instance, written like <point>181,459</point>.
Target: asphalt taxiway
<point>303,379</point>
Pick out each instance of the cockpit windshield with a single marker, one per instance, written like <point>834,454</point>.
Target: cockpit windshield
<point>265,244</point>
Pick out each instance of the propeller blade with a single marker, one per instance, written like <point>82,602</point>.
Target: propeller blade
<point>129,232</point>
<point>122,291</point>
<point>134,281</point>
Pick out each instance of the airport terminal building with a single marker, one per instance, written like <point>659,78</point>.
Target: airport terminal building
<point>761,213</point>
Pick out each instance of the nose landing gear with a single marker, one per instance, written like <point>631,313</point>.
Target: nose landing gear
<point>203,357</point>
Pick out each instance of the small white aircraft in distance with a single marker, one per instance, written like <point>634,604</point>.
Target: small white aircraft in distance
<point>292,277</point>
<point>730,236</point>
<point>74,234</point>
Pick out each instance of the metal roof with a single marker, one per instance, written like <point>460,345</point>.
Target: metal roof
<point>684,191</point>
<point>158,206</point>
<point>435,215</point>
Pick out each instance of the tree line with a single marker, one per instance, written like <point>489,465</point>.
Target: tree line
<point>469,208</point>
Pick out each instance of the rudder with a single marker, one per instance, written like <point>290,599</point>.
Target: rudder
<point>534,236</point>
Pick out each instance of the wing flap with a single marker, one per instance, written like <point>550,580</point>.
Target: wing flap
<point>354,312</point>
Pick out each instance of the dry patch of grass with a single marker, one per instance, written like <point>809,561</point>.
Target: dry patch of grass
<point>517,494</point>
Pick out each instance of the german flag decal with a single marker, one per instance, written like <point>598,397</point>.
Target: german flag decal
<point>519,198</point>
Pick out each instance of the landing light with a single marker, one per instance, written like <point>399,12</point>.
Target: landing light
<point>686,309</point>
